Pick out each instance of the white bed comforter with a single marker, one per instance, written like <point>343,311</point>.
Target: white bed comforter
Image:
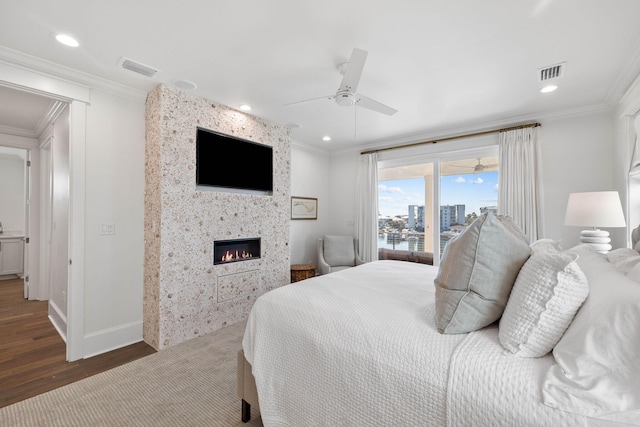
<point>359,347</point>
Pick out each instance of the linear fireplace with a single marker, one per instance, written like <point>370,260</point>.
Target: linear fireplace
<point>226,251</point>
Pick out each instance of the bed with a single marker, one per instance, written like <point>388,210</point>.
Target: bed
<point>363,347</point>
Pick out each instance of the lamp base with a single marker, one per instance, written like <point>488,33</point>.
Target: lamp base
<point>599,240</point>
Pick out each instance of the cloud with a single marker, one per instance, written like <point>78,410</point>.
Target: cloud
<point>460,180</point>
<point>396,190</point>
<point>478,181</point>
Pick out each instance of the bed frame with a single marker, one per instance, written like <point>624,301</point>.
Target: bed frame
<point>246,388</point>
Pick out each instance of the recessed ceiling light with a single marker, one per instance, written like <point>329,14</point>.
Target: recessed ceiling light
<point>292,125</point>
<point>548,89</point>
<point>185,84</point>
<point>326,138</point>
<point>67,40</point>
<point>245,107</point>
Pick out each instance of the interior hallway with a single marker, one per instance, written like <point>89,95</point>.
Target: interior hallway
<point>32,353</point>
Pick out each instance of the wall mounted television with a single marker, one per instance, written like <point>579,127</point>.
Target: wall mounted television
<point>231,164</point>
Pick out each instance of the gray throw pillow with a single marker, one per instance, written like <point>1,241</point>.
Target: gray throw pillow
<point>339,250</point>
<point>476,274</point>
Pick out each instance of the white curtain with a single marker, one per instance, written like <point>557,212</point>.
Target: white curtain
<point>519,182</point>
<point>367,207</point>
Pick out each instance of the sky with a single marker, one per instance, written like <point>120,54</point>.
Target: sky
<point>473,190</point>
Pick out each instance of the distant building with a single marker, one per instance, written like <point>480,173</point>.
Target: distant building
<point>415,220</point>
<point>451,215</point>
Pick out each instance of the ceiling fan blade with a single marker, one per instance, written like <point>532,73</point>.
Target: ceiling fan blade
<point>329,97</point>
<point>370,104</point>
<point>351,77</point>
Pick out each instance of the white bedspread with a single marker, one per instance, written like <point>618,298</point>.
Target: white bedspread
<point>359,347</point>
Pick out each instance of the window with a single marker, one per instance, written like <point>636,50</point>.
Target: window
<point>422,206</point>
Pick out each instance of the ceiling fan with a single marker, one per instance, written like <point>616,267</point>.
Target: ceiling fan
<point>478,168</point>
<point>347,94</point>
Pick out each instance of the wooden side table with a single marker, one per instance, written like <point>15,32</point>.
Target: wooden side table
<point>302,271</point>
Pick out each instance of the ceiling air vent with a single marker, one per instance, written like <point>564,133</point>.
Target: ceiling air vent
<point>551,72</point>
<point>137,67</point>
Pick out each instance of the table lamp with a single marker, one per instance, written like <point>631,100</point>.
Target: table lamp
<point>595,209</point>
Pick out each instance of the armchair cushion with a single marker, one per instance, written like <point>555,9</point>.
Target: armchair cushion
<point>339,251</point>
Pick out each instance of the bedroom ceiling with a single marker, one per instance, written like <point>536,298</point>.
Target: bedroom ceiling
<point>447,67</point>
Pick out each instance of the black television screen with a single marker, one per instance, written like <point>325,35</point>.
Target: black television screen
<point>228,163</point>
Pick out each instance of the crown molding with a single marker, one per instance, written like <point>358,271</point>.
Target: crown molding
<point>627,78</point>
<point>631,100</point>
<point>67,75</point>
<point>303,146</point>
<point>450,131</point>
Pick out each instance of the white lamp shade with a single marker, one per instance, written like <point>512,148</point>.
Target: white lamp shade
<point>595,209</point>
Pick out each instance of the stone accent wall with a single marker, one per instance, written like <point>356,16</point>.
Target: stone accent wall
<point>185,295</point>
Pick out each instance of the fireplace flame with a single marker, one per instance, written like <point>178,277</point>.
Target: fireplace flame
<point>229,256</point>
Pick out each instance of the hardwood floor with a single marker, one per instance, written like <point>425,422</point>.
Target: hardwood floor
<point>32,354</point>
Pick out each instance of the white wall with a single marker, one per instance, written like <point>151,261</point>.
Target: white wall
<point>577,155</point>
<point>309,178</point>
<point>114,194</point>
<point>342,185</point>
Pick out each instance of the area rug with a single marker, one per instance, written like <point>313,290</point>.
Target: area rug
<point>190,384</point>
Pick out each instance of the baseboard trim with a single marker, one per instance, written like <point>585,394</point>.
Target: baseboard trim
<point>112,338</point>
<point>58,320</point>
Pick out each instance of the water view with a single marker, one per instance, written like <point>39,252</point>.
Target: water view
<point>410,241</point>
<point>402,241</point>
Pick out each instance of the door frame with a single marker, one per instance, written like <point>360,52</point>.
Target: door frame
<point>78,97</point>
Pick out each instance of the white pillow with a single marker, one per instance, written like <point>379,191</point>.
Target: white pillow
<point>626,261</point>
<point>634,273</point>
<point>544,300</point>
<point>598,358</point>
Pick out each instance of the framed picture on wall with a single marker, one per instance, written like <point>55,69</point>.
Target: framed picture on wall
<point>304,208</point>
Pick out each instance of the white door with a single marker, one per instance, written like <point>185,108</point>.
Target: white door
<point>59,256</point>
<point>27,186</point>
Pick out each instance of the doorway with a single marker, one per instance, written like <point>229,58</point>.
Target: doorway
<point>35,130</point>
<point>14,186</point>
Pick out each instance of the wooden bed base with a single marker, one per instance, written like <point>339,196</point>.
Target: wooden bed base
<point>246,388</point>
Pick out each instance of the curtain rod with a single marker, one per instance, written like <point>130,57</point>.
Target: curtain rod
<point>449,138</point>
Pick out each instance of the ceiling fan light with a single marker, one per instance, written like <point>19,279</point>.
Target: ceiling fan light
<point>345,99</point>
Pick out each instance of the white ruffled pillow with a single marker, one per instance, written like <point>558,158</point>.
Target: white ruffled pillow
<point>548,292</point>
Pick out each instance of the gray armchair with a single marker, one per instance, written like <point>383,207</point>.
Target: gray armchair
<point>337,253</point>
